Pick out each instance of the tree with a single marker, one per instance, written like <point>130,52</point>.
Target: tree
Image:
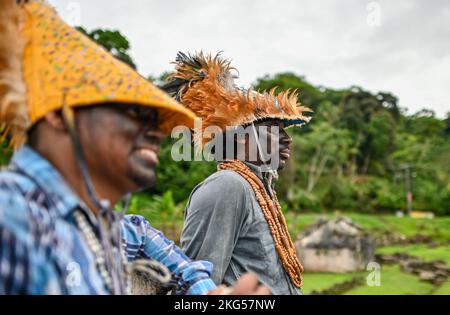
<point>309,95</point>
<point>373,119</point>
<point>447,125</point>
<point>113,41</point>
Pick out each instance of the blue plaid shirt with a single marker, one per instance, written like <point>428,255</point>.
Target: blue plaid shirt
<point>42,250</point>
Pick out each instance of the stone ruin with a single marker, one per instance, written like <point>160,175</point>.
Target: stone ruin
<point>337,245</point>
<point>436,272</point>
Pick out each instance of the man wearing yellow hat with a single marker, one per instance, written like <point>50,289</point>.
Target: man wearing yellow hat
<point>87,130</point>
<point>233,218</point>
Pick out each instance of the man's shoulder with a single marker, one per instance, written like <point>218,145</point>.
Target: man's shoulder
<point>12,181</point>
<point>14,191</point>
<point>227,179</point>
<point>224,185</point>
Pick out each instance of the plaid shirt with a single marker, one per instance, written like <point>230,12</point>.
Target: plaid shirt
<point>42,250</point>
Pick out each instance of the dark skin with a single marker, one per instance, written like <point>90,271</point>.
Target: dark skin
<point>120,144</point>
<point>120,150</point>
<point>283,139</point>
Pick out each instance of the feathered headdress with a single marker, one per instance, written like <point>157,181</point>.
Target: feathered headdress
<point>46,64</point>
<point>205,85</point>
<point>14,117</point>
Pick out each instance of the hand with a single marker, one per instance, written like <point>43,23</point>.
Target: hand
<point>248,284</point>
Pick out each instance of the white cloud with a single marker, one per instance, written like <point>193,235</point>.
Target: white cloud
<point>328,41</point>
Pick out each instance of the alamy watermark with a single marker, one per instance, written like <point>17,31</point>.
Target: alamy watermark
<point>373,279</point>
<point>72,13</point>
<point>73,278</point>
<point>374,14</point>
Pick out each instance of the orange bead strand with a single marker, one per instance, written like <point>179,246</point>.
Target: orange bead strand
<point>275,219</point>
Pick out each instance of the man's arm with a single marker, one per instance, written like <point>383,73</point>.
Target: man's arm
<point>193,276</point>
<point>214,218</point>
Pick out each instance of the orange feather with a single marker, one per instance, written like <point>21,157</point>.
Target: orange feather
<point>210,92</point>
<point>14,119</point>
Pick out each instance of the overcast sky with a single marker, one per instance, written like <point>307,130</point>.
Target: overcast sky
<point>400,46</point>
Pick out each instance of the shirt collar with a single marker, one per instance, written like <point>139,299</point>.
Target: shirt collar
<point>266,177</point>
<point>255,169</point>
<point>47,177</point>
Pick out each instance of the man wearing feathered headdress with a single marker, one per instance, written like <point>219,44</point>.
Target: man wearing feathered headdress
<point>233,218</point>
<point>87,130</point>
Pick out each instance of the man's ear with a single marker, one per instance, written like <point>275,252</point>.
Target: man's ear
<point>56,120</point>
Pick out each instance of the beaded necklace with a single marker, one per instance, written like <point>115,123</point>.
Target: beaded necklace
<point>149,270</point>
<point>275,219</point>
<point>99,253</point>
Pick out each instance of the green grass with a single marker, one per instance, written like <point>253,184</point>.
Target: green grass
<point>422,251</point>
<point>394,281</point>
<point>443,289</point>
<point>437,228</point>
<point>322,281</point>
<point>164,214</point>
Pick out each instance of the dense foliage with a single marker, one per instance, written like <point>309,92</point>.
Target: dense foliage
<point>357,154</point>
<point>360,152</point>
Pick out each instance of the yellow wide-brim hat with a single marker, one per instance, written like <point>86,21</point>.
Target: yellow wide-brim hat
<point>46,64</point>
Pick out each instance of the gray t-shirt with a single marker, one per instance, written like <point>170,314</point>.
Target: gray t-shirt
<point>225,225</point>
